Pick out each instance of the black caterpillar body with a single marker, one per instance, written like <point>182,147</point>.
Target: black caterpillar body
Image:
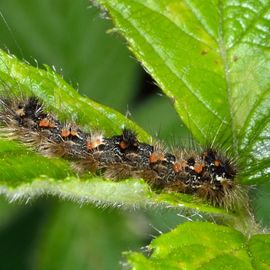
<point>208,174</point>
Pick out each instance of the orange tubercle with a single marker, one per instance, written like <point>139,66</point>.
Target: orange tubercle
<point>91,144</point>
<point>177,167</point>
<point>217,163</point>
<point>44,123</point>
<point>155,157</point>
<point>123,145</point>
<point>65,133</point>
<point>198,168</point>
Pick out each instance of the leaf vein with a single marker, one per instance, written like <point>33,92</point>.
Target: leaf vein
<point>200,21</point>
<point>249,26</point>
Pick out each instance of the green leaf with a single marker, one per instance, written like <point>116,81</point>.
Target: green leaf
<point>16,165</point>
<point>19,179</point>
<point>201,245</point>
<point>259,246</point>
<point>212,59</point>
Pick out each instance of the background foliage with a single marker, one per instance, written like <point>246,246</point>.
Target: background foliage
<point>74,40</point>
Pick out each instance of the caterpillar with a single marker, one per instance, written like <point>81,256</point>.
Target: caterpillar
<point>207,174</point>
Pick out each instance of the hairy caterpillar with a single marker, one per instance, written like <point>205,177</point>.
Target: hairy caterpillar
<point>207,174</point>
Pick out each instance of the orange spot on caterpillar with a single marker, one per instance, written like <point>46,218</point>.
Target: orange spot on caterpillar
<point>178,166</point>
<point>93,143</point>
<point>46,123</point>
<point>65,133</point>
<point>155,157</point>
<point>123,145</point>
<point>198,168</point>
<point>217,163</point>
<point>69,131</point>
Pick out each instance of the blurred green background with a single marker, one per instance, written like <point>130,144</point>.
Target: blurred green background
<point>81,44</point>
